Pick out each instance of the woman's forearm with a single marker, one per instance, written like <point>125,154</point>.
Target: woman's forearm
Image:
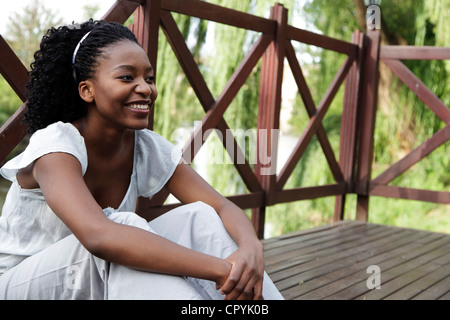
<point>143,250</point>
<point>237,224</point>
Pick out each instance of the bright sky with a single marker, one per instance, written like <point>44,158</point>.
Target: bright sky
<point>68,10</point>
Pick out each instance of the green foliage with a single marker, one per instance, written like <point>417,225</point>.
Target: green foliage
<point>9,101</point>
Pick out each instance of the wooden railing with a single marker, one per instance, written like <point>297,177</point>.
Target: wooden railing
<point>351,172</point>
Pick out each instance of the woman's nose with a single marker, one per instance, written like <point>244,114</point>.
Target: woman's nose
<point>143,88</point>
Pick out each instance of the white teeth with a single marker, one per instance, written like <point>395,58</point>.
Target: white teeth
<point>139,106</point>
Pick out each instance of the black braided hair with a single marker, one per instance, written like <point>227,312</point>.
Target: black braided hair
<point>52,90</point>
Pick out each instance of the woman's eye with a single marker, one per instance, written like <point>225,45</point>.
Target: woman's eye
<point>150,79</point>
<point>126,78</point>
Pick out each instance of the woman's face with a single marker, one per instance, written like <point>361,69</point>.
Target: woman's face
<point>123,90</point>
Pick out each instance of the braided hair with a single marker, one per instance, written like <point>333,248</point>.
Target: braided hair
<point>52,90</point>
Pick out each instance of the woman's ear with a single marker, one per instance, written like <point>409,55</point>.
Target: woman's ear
<point>85,89</point>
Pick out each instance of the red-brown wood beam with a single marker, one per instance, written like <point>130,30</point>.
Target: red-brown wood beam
<point>395,192</point>
<point>311,110</point>
<point>313,124</point>
<point>215,114</point>
<point>420,89</point>
<point>271,79</point>
<point>121,10</point>
<point>211,12</point>
<point>414,156</point>
<point>348,135</point>
<point>205,97</point>
<point>367,122</point>
<point>15,73</point>
<point>414,53</point>
<point>306,193</point>
<point>321,41</point>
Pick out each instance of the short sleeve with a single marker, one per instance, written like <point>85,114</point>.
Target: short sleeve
<point>57,137</point>
<point>156,161</point>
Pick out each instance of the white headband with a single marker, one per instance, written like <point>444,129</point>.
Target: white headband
<point>78,47</point>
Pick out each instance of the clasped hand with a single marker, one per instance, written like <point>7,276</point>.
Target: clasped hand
<point>245,278</point>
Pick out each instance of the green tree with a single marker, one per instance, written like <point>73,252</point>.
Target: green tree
<point>24,33</point>
<point>25,29</point>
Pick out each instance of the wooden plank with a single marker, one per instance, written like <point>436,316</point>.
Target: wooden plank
<point>324,273</point>
<point>239,77</point>
<point>12,69</point>
<point>348,133</point>
<point>316,258</point>
<point>414,156</point>
<point>410,194</point>
<point>300,235</point>
<point>301,262</point>
<point>300,246</point>
<point>446,284</point>
<point>414,53</point>
<point>269,107</point>
<point>322,41</point>
<point>303,193</point>
<point>211,12</point>
<point>213,116</point>
<point>12,132</point>
<point>401,275</point>
<point>313,125</point>
<point>340,260</point>
<point>121,10</point>
<point>429,284</point>
<point>205,97</point>
<point>420,89</point>
<point>311,109</point>
<point>380,250</point>
<point>366,125</point>
<point>355,286</point>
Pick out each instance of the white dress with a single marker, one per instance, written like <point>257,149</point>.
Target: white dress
<point>41,259</point>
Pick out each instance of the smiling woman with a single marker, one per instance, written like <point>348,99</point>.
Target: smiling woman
<point>71,204</point>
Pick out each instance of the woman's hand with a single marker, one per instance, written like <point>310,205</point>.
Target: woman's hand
<point>245,280</point>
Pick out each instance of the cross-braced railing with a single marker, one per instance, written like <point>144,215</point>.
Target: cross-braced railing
<point>351,172</point>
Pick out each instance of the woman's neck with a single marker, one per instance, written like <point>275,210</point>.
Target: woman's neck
<point>103,140</point>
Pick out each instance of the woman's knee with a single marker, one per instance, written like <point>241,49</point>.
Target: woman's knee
<point>130,219</point>
<point>203,212</point>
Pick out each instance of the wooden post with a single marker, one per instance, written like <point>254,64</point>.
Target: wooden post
<point>146,28</point>
<point>366,119</point>
<point>348,136</point>
<point>269,115</point>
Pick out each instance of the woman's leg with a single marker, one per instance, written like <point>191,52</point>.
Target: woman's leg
<point>198,227</point>
<point>126,283</point>
<point>63,271</point>
<point>66,270</point>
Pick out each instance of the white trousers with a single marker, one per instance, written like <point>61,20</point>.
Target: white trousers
<point>66,270</point>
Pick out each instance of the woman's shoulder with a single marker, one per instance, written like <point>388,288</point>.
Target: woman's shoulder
<point>58,129</point>
<point>148,137</point>
<point>57,137</point>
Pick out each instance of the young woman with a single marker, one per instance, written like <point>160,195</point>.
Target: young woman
<point>68,230</point>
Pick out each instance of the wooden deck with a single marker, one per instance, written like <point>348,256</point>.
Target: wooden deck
<point>331,262</point>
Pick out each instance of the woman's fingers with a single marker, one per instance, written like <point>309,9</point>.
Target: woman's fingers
<point>233,279</point>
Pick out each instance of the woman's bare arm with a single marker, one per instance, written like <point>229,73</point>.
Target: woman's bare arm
<point>62,184</point>
<point>246,276</point>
